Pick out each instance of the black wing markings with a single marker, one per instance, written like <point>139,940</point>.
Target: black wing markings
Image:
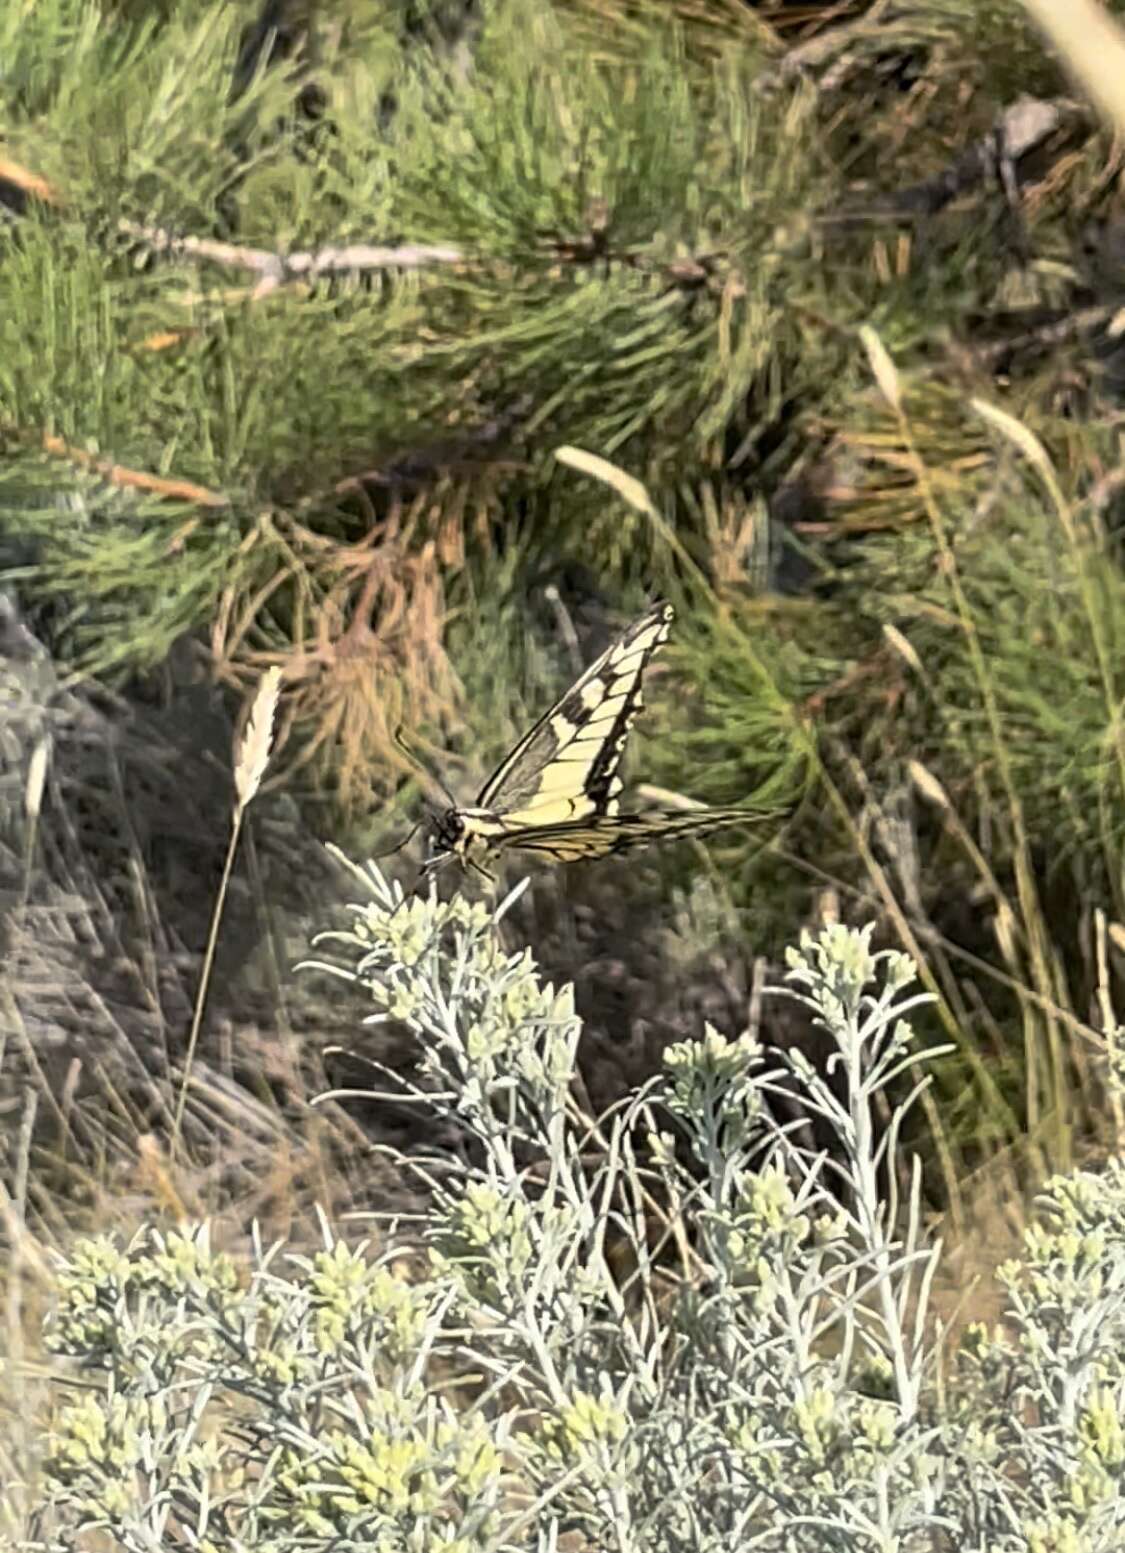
<point>586,729</point>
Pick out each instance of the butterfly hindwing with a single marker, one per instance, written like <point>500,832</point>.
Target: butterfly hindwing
<point>606,835</point>
<point>566,768</point>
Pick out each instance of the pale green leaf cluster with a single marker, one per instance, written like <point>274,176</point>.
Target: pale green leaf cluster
<point>762,1370</point>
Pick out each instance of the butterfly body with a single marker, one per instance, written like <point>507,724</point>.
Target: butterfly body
<point>467,834</point>
<point>555,793</point>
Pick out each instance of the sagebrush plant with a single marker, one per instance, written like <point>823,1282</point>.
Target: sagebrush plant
<point>765,1372</point>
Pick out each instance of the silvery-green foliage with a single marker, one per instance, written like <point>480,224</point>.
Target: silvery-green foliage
<point>808,1337</point>
<point>268,1413</point>
<point>521,1235</point>
<point>1039,1408</point>
<point>669,1328</point>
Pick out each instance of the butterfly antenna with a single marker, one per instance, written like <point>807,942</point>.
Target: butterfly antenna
<point>390,852</point>
<point>418,766</point>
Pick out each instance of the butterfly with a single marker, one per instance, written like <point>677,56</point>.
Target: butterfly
<point>555,793</point>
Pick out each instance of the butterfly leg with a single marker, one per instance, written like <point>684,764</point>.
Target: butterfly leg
<point>435,864</point>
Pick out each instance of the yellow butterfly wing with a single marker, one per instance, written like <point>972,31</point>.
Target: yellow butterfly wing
<point>555,794</point>
<point>609,834</point>
<point>566,768</point>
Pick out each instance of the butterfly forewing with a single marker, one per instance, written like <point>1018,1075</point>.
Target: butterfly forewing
<point>566,768</point>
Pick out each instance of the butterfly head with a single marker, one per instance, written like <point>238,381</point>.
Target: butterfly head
<point>447,830</point>
<point>463,834</point>
<point>447,837</point>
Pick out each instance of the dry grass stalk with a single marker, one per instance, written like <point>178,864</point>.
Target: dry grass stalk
<point>36,779</point>
<point>882,367</point>
<point>253,753</point>
<point>1092,45</point>
<point>251,759</point>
